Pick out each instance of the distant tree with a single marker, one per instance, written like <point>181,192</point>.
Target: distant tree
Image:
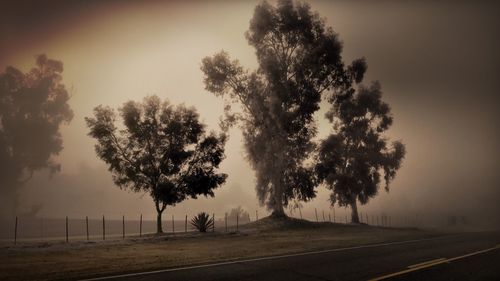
<point>237,212</point>
<point>299,59</point>
<point>352,159</point>
<point>33,106</point>
<point>162,149</point>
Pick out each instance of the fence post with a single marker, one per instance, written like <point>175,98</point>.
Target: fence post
<point>225,220</point>
<point>300,212</point>
<point>377,221</point>
<point>173,224</point>
<point>87,226</point>
<point>66,229</point>
<point>346,218</point>
<point>334,215</point>
<point>323,216</point>
<point>329,217</point>
<point>103,228</point>
<point>41,227</point>
<point>213,219</point>
<point>140,227</point>
<point>256,215</point>
<point>15,232</point>
<point>237,221</point>
<point>123,227</point>
<point>316,212</point>
<point>186,224</point>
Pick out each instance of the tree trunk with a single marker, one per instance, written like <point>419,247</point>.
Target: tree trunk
<point>354,211</point>
<point>278,210</point>
<point>159,228</point>
<point>159,211</point>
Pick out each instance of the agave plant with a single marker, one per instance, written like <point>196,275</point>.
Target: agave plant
<point>202,222</point>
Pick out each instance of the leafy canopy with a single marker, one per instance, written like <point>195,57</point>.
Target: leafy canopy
<point>352,159</point>
<point>162,149</point>
<point>299,59</point>
<point>33,106</point>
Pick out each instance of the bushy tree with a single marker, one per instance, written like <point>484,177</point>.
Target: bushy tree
<point>33,106</point>
<point>162,149</point>
<point>237,213</point>
<point>353,158</point>
<point>299,59</point>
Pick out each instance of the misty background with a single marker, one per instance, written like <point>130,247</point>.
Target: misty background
<point>438,64</point>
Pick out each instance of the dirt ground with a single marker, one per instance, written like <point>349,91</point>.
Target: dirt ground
<point>57,260</point>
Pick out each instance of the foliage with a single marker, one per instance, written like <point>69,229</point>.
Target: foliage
<point>239,213</point>
<point>352,159</point>
<point>162,149</point>
<point>299,59</point>
<point>33,106</point>
<point>202,222</point>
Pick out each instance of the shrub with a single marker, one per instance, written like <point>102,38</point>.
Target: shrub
<point>202,222</point>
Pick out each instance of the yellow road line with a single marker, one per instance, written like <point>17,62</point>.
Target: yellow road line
<point>429,264</point>
<point>425,263</point>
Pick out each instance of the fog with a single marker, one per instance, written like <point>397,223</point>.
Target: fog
<point>438,64</point>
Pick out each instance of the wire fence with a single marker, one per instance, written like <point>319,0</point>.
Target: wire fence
<point>34,229</point>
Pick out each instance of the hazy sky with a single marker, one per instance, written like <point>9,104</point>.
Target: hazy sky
<point>438,63</point>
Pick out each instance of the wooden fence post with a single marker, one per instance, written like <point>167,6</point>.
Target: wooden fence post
<point>140,227</point>
<point>225,220</point>
<point>323,216</point>
<point>334,220</point>
<point>316,212</point>
<point>66,229</point>
<point>186,224</point>
<point>15,232</point>
<point>123,227</point>
<point>103,228</point>
<point>41,228</point>
<point>173,224</point>
<point>87,226</point>
<point>237,221</point>
<point>345,218</point>
<point>329,217</point>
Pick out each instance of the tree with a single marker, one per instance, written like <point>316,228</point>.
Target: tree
<point>237,213</point>
<point>299,59</point>
<point>162,149</point>
<point>33,106</point>
<point>352,159</point>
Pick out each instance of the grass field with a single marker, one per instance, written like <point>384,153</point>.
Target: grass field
<point>57,260</point>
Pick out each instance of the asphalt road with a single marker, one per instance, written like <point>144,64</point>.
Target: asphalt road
<point>468,256</point>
